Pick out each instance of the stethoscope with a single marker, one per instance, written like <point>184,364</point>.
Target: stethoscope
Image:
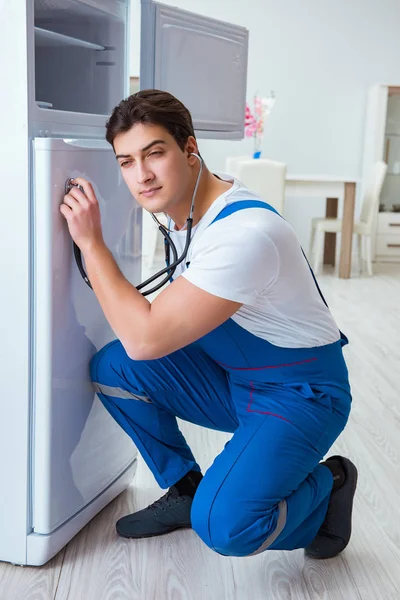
<point>168,243</point>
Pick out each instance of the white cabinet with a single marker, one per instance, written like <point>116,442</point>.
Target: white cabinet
<point>387,246</point>
<point>382,142</point>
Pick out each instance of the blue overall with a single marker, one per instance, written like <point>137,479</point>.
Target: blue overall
<point>284,406</point>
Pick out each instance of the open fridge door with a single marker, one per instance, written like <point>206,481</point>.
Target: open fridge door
<point>201,61</point>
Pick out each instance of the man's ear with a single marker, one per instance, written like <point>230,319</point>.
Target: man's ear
<point>191,146</point>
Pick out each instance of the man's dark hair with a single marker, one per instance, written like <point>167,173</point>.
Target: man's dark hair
<point>152,107</point>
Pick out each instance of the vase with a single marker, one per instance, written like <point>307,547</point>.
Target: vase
<point>257,146</point>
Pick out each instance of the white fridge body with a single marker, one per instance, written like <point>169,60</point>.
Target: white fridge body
<point>78,450</point>
<point>62,457</point>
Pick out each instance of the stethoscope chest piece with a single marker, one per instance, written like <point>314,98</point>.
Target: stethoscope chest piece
<point>77,253</point>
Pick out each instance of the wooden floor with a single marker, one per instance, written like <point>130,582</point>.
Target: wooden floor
<point>98,565</point>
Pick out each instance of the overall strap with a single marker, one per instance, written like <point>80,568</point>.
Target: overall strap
<point>242,204</point>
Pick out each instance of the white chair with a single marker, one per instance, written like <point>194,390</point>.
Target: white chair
<point>231,164</point>
<point>363,228</point>
<point>265,177</point>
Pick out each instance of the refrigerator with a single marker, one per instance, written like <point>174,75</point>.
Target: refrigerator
<point>62,457</point>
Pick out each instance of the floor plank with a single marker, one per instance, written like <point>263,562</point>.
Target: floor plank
<point>30,583</point>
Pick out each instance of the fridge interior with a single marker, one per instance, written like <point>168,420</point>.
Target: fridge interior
<point>80,55</point>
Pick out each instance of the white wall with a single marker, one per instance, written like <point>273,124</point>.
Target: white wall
<point>319,57</point>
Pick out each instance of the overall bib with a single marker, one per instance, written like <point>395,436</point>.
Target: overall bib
<point>284,406</point>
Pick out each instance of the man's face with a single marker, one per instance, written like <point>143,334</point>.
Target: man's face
<point>153,166</point>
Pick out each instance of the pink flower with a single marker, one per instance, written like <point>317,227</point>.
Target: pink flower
<point>250,123</point>
<point>254,122</point>
<point>248,118</point>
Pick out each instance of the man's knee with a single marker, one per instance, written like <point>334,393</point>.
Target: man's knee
<point>219,535</point>
<point>231,531</point>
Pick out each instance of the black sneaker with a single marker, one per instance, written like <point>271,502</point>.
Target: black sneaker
<point>335,532</point>
<point>171,511</point>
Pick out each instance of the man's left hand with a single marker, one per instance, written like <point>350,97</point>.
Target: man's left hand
<point>82,213</point>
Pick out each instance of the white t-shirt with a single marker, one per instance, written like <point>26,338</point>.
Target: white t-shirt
<point>254,257</point>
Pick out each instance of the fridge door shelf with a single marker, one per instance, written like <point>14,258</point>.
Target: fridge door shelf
<point>46,37</point>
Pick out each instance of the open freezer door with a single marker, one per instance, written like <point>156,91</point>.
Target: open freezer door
<point>201,61</point>
<point>78,449</point>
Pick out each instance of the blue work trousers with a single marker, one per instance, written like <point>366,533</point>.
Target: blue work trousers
<point>266,489</point>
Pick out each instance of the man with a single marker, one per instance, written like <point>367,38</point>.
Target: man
<point>241,341</point>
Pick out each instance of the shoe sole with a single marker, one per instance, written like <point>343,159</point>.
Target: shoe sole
<point>150,535</point>
<point>349,487</point>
